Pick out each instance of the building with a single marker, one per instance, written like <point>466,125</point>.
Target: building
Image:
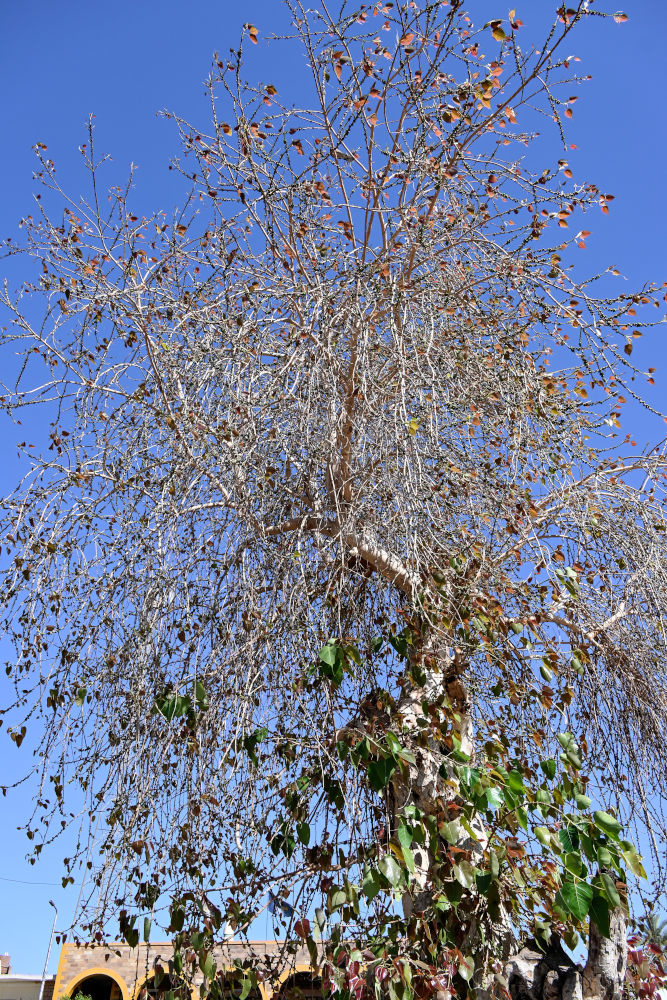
<point>13,987</point>
<point>118,972</point>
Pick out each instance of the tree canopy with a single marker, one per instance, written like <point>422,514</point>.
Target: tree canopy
<point>335,585</point>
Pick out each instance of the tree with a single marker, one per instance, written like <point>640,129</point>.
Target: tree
<point>335,571</point>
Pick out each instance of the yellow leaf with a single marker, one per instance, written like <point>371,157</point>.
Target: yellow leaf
<point>413,427</point>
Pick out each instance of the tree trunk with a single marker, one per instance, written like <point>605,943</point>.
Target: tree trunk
<point>529,973</point>
<point>534,975</point>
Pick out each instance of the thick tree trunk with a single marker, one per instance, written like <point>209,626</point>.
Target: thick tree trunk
<point>530,974</point>
<point>534,975</point>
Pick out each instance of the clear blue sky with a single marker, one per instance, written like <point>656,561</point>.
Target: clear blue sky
<point>123,61</point>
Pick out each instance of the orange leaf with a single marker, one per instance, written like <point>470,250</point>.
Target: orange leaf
<point>252,31</point>
<point>271,90</point>
<point>568,173</point>
<point>373,120</point>
<point>406,39</point>
<point>338,70</point>
<point>568,112</point>
<point>299,148</point>
<point>620,17</point>
<point>226,128</point>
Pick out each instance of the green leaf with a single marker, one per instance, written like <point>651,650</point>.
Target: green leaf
<point>380,772</point>
<point>494,797</point>
<point>515,781</point>
<point>464,873</point>
<point>576,897</point>
<point>329,654</point>
<point>610,890</point>
<point>404,835</point>
<point>574,864</point>
<point>543,835</point>
<point>633,861</point>
<point>147,928</point>
<point>409,858</point>
<point>466,968</point>
<point>582,801</point>
<point>604,855</point>
<point>569,838</point>
<point>370,883</point>
<point>566,740</point>
<point>208,967</point>
<point>331,663</point>
<point>303,833</point>
<point>607,823</point>
<point>483,882</point>
<point>337,898</point>
<point>599,911</point>
<point>546,672</point>
<point>172,706</point>
<point>450,831</point>
<point>390,869</point>
<point>250,743</point>
<point>80,696</point>
<point>131,935</point>
<point>201,696</point>
<point>246,986</point>
<point>549,768</point>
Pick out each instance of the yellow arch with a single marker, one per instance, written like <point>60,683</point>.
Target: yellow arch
<point>288,974</point>
<point>141,983</point>
<point>264,992</point>
<point>97,970</point>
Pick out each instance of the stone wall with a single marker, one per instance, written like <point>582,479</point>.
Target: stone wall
<point>129,968</point>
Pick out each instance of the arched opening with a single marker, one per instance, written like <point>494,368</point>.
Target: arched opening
<point>229,986</point>
<point>97,986</point>
<point>301,986</point>
<point>164,985</point>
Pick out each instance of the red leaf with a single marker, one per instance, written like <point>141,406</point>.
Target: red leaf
<point>620,17</point>
<point>302,928</point>
<point>406,39</point>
